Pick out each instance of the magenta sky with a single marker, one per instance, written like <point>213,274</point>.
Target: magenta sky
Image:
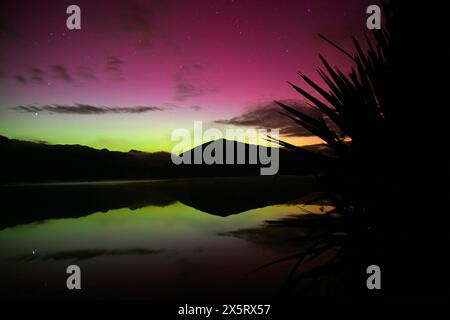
<point>175,60</point>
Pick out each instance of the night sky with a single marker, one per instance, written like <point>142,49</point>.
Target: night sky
<point>139,69</point>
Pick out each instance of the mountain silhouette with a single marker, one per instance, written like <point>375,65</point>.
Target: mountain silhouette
<point>25,161</point>
<point>289,162</point>
<point>64,181</point>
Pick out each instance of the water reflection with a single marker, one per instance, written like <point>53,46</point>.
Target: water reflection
<point>170,250</point>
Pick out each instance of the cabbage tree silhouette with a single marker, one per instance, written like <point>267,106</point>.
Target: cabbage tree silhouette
<point>360,120</point>
<point>359,112</point>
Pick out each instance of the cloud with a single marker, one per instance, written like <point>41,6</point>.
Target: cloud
<point>32,74</point>
<point>196,108</point>
<point>187,90</point>
<point>267,116</point>
<point>85,73</point>
<point>170,105</point>
<point>37,75</point>
<point>189,82</point>
<point>136,19</point>
<point>29,109</point>
<point>7,30</point>
<point>21,79</point>
<point>60,72</point>
<point>84,109</point>
<point>114,62</point>
<point>114,67</point>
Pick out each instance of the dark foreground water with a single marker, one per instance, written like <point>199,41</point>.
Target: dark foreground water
<point>199,238</point>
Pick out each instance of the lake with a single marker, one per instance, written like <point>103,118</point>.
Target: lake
<point>166,239</point>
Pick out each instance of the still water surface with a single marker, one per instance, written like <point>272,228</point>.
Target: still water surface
<point>164,251</point>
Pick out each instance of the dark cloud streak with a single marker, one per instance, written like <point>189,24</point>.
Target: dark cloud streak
<point>21,79</point>
<point>269,116</point>
<point>7,30</point>
<point>84,109</point>
<point>114,67</point>
<point>61,72</point>
<point>189,82</point>
<point>37,75</point>
<point>85,73</point>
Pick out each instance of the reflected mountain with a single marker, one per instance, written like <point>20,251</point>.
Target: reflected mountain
<point>220,196</point>
<point>225,196</point>
<point>38,183</point>
<point>303,226</point>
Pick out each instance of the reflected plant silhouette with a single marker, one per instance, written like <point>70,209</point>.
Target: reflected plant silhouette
<point>359,121</point>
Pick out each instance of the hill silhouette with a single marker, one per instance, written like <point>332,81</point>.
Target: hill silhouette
<point>25,161</point>
<point>289,162</point>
